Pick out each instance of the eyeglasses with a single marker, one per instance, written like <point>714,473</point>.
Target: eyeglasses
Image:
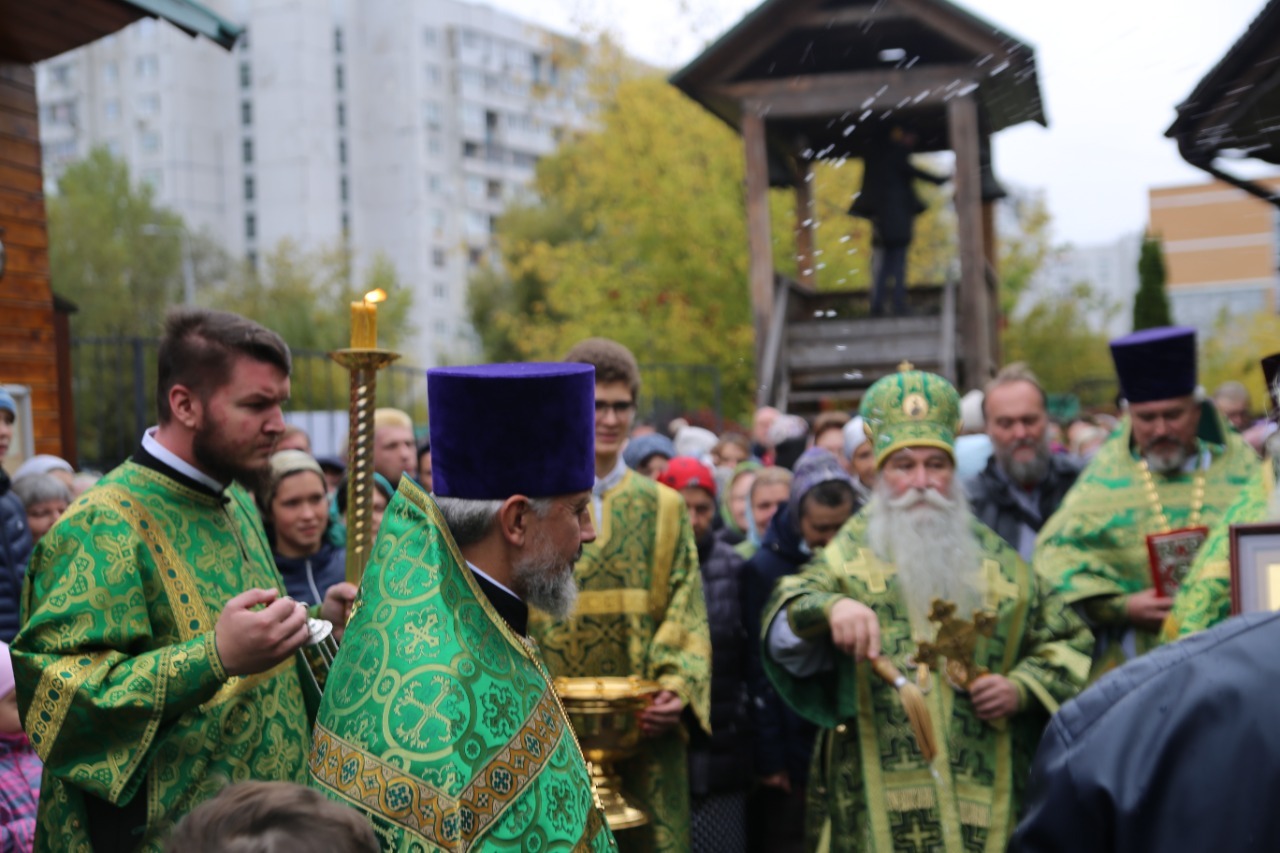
<point>619,409</point>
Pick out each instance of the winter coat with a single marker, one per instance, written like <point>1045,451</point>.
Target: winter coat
<point>306,579</point>
<point>992,501</point>
<point>1176,750</point>
<point>784,740</point>
<point>15,551</point>
<point>721,762</point>
<point>888,196</point>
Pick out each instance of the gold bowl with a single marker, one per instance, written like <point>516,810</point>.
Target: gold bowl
<point>604,714</point>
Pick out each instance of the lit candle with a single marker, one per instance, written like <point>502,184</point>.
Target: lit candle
<point>364,320</point>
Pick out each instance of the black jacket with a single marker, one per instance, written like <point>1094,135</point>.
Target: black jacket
<point>784,740</point>
<point>994,505</point>
<point>1177,750</point>
<point>15,551</point>
<point>721,762</point>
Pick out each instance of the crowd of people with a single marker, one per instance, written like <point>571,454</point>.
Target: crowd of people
<point>859,626</point>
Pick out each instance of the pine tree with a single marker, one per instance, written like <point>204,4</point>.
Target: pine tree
<point>1151,304</point>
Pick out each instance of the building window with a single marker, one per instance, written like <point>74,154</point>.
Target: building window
<point>111,110</point>
<point>60,74</point>
<point>434,184</point>
<point>433,75</point>
<point>437,258</point>
<point>441,327</point>
<point>250,226</point>
<point>110,72</point>
<point>249,188</point>
<point>440,291</point>
<point>115,148</point>
<point>246,113</point>
<point>475,256</point>
<point>246,151</point>
<point>342,151</point>
<point>244,41</point>
<point>433,145</point>
<point>346,224</point>
<point>148,105</point>
<point>246,75</point>
<point>437,219</point>
<point>339,80</point>
<point>342,115</point>
<point>429,37</point>
<point>337,40</point>
<point>477,224</point>
<point>147,67</point>
<point>431,114</point>
<point>343,188</point>
<point>153,178</point>
<point>494,190</point>
<point>471,149</point>
<point>475,187</point>
<point>61,113</point>
<point>251,258</point>
<point>149,141</point>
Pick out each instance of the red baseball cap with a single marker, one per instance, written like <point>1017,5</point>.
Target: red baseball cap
<point>684,472</point>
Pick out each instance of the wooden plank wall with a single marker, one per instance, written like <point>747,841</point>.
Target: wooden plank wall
<point>28,351</point>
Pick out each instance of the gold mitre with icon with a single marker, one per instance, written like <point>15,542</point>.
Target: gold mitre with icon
<point>910,408</point>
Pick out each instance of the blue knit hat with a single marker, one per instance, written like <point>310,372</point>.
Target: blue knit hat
<point>7,403</point>
<point>642,447</point>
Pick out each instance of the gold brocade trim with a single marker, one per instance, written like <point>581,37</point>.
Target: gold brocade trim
<point>595,823</point>
<point>910,799</point>
<point>611,602</point>
<point>975,814</point>
<point>52,698</point>
<point>191,617</point>
<point>238,684</point>
<point>671,510</point>
<point>447,822</point>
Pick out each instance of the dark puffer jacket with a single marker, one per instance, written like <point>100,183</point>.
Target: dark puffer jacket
<point>784,740</point>
<point>307,579</point>
<point>721,762</point>
<point>15,551</point>
<point>992,501</point>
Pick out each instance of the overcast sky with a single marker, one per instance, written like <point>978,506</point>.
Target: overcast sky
<point>1111,73</point>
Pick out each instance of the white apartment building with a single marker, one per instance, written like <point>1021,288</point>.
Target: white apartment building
<point>394,126</point>
<point>1111,269</point>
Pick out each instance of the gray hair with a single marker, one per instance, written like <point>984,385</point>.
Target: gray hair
<point>470,520</point>
<point>37,488</point>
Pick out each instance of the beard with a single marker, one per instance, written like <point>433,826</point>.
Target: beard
<point>1165,455</point>
<point>544,579</point>
<point>1025,472</point>
<point>219,459</point>
<point>926,535</point>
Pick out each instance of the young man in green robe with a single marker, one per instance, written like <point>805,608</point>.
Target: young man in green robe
<point>147,675</point>
<point>439,722</point>
<point>869,594</point>
<point>641,610</point>
<point>1173,467</point>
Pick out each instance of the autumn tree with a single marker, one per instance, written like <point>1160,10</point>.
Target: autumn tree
<point>1233,351</point>
<point>1054,337</point>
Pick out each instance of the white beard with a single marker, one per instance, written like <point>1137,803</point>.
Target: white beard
<point>927,537</point>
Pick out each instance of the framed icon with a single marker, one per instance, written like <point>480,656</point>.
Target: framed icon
<point>1255,568</point>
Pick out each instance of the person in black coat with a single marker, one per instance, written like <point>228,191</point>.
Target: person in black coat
<point>719,763</point>
<point>1176,750</point>
<point>15,536</point>
<point>822,499</point>
<point>888,198</point>
<point>1023,483</point>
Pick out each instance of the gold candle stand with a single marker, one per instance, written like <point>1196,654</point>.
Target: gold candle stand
<point>362,365</point>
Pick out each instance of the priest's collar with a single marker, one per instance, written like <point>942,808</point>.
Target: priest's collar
<point>170,463</point>
<point>613,478</point>
<point>509,606</point>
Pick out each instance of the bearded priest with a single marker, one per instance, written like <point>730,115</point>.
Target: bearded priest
<point>439,721</point>
<point>867,604</point>
<point>1144,505</point>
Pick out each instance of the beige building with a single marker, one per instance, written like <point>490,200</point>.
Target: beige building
<point>1221,250</point>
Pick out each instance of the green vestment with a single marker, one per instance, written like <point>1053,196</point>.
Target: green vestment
<point>1204,599</point>
<point>438,721</point>
<point>119,681</point>
<point>641,612</point>
<point>870,788</point>
<point>1094,548</point>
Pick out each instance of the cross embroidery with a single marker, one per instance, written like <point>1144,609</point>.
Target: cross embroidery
<point>998,588</point>
<point>867,569</point>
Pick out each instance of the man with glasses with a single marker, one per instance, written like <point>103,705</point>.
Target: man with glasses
<point>640,607</point>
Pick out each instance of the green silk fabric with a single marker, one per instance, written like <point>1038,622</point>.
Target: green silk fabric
<point>438,722</point>
<point>1094,548</point>
<point>870,788</point>
<point>1204,599</point>
<point>118,677</point>
<point>641,612</point>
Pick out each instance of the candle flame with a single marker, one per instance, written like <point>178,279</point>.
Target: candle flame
<point>378,295</point>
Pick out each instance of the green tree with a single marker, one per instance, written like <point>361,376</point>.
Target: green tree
<point>1234,349</point>
<point>1151,304</point>
<point>1054,337</point>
